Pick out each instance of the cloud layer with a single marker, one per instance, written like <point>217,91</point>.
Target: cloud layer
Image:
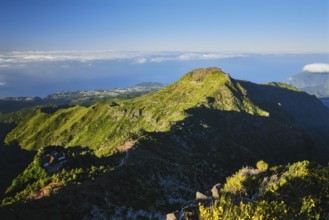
<point>42,72</point>
<point>14,58</point>
<point>48,56</point>
<point>316,68</point>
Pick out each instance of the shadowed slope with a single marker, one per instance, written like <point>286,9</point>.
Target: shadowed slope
<point>103,127</point>
<point>169,144</point>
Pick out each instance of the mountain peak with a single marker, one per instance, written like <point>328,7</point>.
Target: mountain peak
<point>205,73</point>
<point>205,70</point>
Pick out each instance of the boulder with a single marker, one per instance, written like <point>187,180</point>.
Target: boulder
<point>215,191</point>
<point>172,216</point>
<point>200,196</point>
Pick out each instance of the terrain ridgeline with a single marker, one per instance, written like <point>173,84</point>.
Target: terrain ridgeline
<point>147,156</point>
<point>105,126</point>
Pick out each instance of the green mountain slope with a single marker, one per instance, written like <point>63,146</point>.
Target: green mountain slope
<point>105,126</point>
<point>159,149</point>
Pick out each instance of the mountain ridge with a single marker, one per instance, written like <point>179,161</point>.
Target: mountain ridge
<point>151,112</point>
<point>157,111</point>
<point>182,139</point>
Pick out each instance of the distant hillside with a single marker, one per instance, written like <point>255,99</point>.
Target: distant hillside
<point>325,101</point>
<point>313,83</point>
<point>90,97</point>
<point>11,104</point>
<point>147,156</point>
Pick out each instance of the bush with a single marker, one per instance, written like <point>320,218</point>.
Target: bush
<point>297,191</point>
<point>262,165</point>
<point>234,184</point>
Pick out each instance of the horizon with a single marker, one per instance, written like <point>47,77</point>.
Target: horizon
<point>52,46</point>
<point>234,125</point>
<point>40,73</point>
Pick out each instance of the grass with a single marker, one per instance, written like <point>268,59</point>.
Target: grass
<point>103,127</point>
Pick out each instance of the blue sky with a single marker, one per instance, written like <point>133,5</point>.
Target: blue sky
<point>54,45</point>
<point>171,25</point>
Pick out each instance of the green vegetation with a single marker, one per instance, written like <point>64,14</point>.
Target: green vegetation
<point>297,191</point>
<point>283,85</point>
<point>32,179</point>
<point>103,127</point>
<point>81,166</point>
<point>262,165</point>
<point>180,139</point>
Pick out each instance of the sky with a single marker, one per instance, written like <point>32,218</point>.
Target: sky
<point>170,25</point>
<point>54,45</point>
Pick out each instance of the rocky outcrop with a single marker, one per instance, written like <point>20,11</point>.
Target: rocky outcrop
<point>215,191</point>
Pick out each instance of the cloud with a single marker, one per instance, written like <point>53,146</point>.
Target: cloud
<point>191,56</point>
<point>136,57</point>
<point>161,59</point>
<point>43,72</point>
<point>207,56</point>
<point>316,68</point>
<point>53,56</point>
<point>141,60</point>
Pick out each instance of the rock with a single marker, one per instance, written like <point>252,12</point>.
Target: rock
<point>172,216</point>
<point>215,191</point>
<point>200,196</point>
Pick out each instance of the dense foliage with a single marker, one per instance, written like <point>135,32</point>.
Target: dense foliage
<point>296,191</point>
<point>81,165</point>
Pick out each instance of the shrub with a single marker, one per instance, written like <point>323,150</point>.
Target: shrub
<point>234,184</point>
<point>262,165</point>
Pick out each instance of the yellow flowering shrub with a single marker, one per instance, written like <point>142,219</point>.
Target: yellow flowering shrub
<point>297,191</point>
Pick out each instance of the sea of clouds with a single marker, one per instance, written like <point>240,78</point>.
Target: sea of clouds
<point>29,73</point>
